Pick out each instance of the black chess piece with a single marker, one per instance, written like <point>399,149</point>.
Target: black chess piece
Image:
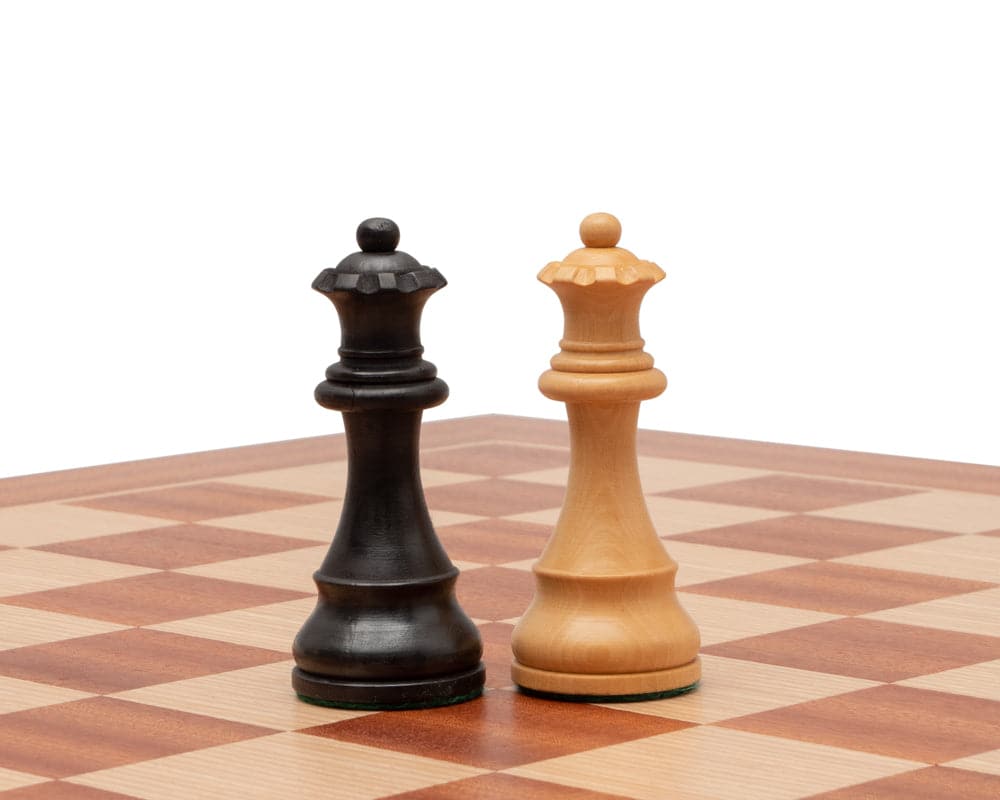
<point>387,631</point>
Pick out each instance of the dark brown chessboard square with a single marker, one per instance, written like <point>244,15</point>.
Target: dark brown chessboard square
<point>496,653</point>
<point>897,721</point>
<point>930,783</point>
<point>128,659</point>
<point>494,497</point>
<point>494,541</point>
<point>864,648</point>
<point>495,593</point>
<point>498,786</point>
<point>59,790</point>
<point>501,729</point>
<point>177,546</point>
<point>200,501</point>
<point>810,537</point>
<point>498,458</point>
<point>837,588</point>
<point>789,493</point>
<point>152,598</point>
<point>101,732</point>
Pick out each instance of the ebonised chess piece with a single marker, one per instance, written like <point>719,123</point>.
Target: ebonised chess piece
<point>605,622</point>
<point>387,631</point>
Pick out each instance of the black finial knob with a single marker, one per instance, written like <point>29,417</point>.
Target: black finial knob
<point>378,235</point>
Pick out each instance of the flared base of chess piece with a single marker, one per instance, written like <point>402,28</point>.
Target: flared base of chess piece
<point>620,688</point>
<point>445,690</point>
<point>615,637</point>
<point>387,646</point>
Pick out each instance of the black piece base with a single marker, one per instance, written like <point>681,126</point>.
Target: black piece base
<point>389,696</point>
<point>607,698</point>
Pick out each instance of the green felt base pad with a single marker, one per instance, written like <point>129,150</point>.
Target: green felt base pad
<point>609,698</point>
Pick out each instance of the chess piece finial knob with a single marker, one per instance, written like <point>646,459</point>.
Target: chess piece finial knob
<point>605,621</point>
<point>600,230</point>
<point>378,235</point>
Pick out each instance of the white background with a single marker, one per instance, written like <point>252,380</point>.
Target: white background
<point>821,182</point>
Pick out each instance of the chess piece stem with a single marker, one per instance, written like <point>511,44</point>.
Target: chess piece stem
<point>605,621</point>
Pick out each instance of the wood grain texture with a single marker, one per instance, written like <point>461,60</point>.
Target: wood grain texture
<point>876,467</point>
<point>499,731</point>
<point>200,501</point>
<point>224,695</point>
<point>128,659</point>
<point>59,790</point>
<point>930,783</point>
<point>605,619</point>
<point>806,460</point>
<point>896,721</point>
<point>494,541</point>
<point>100,732</point>
<point>233,666</point>
<point>177,546</point>
<point>387,631</point>
<point>495,497</point>
<point>810,537</point>
<point>499,786</point>
<point>139,474</point>
<point>789,493</point>
<point>714,763</point>
<point>152,598</point>
<point>865,648</point>
<point>286,765</point>
<point>838,588</point>
<point>496,458</point>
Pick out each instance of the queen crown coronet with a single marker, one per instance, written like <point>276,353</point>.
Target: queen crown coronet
<point>600,261</point>
<point>378,267</point>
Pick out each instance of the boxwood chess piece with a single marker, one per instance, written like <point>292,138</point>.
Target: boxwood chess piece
<point>605,622</point>
<point>387,631</point>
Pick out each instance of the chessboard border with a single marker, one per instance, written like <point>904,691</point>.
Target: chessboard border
<point>847,464</point>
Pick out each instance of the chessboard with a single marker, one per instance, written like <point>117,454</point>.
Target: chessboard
<point>849,608</point>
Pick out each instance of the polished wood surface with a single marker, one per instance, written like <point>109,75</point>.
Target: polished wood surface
<point>605,620</point>
<point>387,631</point>
<point>849,607</point>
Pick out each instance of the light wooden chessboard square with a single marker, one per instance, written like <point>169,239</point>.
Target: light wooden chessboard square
<point>849,607</point>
